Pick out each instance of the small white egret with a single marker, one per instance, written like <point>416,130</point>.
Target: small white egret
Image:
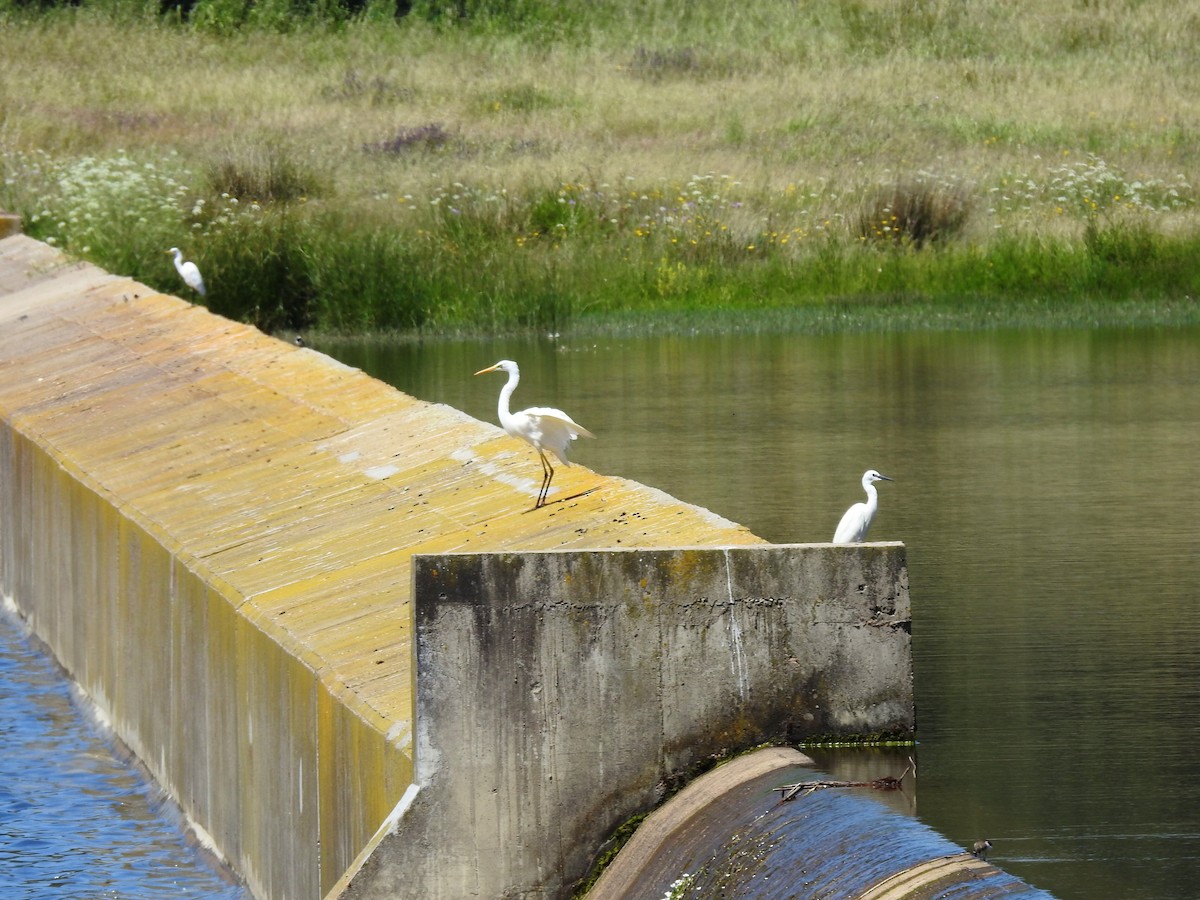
<point>544,427</point>
<point>853,527</point>
<point>188,272</point>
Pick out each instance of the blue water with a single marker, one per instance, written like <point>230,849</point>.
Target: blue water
<point>754,846</point>
<point>77,821</point>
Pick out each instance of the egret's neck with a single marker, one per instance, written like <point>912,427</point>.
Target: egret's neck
<point>506,393</point>
<point>872,497</point>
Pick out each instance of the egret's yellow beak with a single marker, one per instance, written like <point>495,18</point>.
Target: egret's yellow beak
<point>488,369</point>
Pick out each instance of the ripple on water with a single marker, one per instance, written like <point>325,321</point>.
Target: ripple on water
<point>75,820</point>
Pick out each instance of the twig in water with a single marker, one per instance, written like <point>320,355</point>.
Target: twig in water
<point>886,783</point>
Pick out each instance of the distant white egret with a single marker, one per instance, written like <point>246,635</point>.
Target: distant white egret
<point>544,427</point>
<point>188,272</point>
<point>853,527</point>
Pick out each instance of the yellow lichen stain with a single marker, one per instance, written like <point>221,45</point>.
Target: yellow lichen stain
<point>692,566</point>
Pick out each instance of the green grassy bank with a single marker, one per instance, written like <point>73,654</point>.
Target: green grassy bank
<point>530,164</point>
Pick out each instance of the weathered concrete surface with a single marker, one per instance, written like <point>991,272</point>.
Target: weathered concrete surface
<point>213,531</point>
<point>560,693</point>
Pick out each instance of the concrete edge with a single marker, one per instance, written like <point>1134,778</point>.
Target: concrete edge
<point>917,880</point>
<point>660,826</point>
<point>388,826</point>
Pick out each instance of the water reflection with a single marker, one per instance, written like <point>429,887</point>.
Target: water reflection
<point>74,821</point>
<point>1045,486</point>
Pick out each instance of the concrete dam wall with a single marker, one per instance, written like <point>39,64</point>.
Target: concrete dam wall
<point>323,615</point>
<point>558,694</point>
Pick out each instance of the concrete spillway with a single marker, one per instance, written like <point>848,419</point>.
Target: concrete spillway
<point>323,615</point>
<point>734,833</point>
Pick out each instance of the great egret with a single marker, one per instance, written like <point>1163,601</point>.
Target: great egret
<point>188,272</point>
<point>853,527</point>
<point>544,427</point>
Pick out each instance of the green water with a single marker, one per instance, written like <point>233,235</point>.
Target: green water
<point>1047,486</point>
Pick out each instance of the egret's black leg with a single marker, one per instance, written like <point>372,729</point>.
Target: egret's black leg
<point>549,478</point>
<point>547,474</point>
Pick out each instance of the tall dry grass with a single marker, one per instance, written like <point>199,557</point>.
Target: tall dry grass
<point>537,160</point>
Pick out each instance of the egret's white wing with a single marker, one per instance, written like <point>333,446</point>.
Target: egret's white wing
<point>557,416</point>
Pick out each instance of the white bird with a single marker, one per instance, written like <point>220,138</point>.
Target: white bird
<point>544,427</point>
<point>853,527</point>
<point>188,271</point>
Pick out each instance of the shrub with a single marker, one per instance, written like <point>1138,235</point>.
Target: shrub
<point>914,213</point>
<point>423,138</point>
<point>264,174</point>
<point>258,271</point>
<point>116,211</point>
<point>219,16</point>
<point>656,65</point>
<point>376,90</point>
<point>365,276</point>
<point>1091,186</point>
<point>1120,243</point>
<point>540,22</point>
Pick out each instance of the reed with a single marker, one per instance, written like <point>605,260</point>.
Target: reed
<point>491,165</point>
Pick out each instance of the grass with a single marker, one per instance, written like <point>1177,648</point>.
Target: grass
<point>498,165</point>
